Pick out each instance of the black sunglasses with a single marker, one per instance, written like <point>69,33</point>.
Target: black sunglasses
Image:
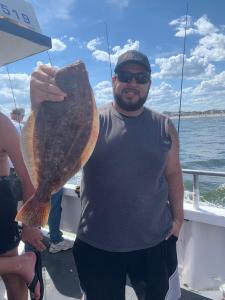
<point>141,77</point>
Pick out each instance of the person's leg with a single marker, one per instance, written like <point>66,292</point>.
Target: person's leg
<point>57,242</point>
<point>55,217</point>
<point>153,272</point>
<point>102,274</point>
<point>15,285</point>
<point>9,234</point>
<point>19,267</point>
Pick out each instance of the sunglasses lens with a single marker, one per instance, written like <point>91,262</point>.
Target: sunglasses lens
<point>124,76</point>
<point>140,78</point>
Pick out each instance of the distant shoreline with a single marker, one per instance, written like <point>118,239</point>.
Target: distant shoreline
<point>197,116</point>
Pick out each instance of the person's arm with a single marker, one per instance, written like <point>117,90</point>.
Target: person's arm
<point>174,179</point>
<point>11,144</point>
<point>43,86</point>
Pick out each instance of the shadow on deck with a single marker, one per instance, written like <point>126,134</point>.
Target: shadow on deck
<point>60,276</point>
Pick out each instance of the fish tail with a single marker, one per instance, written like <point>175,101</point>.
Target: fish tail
<point>34,213</point>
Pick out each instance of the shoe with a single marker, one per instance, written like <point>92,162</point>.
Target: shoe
<point>61,246</point>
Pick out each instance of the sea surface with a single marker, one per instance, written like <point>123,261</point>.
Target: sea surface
<point>202,147</point>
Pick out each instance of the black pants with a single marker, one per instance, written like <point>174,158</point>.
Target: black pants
<point>152,272</point>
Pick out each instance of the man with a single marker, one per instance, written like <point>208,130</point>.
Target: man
<point>10,238</point>
<point>17,115</point>
<point>131,191</point>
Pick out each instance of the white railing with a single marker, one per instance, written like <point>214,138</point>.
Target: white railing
<point>196,174</point>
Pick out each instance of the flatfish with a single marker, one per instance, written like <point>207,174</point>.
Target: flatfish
<point>57,140</point>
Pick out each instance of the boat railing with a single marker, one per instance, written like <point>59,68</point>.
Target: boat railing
<point>195,182</point>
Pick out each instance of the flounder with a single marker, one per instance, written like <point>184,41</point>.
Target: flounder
<point>57,140</point>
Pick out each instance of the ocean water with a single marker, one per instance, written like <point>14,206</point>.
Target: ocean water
<point>202,147</point>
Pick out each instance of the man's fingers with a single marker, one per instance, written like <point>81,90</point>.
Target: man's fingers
<point>46,69</point>
<point>39,245</point>
<point>43,88</point>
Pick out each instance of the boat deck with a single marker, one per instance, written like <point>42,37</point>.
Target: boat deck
<point>61,280</point>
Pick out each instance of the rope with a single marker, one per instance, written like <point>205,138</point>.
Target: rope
<point>182,71</point>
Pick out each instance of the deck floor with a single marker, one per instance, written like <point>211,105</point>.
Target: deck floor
<point>61,280</point>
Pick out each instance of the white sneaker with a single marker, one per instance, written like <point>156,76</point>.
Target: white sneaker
<point>61,246</point>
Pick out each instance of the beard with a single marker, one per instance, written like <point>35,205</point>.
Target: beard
<point>129,106</point>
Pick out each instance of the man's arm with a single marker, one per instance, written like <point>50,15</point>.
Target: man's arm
<point>174,178</point>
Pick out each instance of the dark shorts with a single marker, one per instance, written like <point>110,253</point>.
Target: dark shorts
<point>15,185</point>
<point>9,233</point>
<point>152,272</point>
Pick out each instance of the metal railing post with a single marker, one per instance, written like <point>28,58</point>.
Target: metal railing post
<point>196,174</point>
<point>196,191</point>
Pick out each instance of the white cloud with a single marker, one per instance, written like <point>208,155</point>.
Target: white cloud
<point>92,45</point>
<point>202,26</point>
<point>116,51</point>
<point>194,68</point>
<point>57,45</point>
<point>208,94</point>
<point>71,39</point>
<point>103,92</point>
<point>20,85</point>
<point>211,87</point>
<point>211,47</point>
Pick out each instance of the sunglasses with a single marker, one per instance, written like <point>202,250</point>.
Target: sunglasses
<point>140,78</point>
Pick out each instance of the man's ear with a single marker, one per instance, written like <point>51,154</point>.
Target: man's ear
<point>114,78</point>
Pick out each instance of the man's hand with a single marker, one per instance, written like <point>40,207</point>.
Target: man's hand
<point>175,230</point>
<point>33,236</point>
<point>43,86</point>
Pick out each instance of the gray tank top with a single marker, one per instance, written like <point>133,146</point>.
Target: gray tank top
<point>124,193</point>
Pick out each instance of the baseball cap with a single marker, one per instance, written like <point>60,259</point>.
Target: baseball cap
<point>133,56</point>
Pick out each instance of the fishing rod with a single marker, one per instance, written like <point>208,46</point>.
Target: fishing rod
<point>182,70</point>
<point>13,95</point>
<point>107,40</point>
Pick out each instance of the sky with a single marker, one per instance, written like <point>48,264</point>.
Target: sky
<point>78,31</point>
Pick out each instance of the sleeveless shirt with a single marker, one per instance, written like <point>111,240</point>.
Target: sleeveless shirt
<point>124,192</point>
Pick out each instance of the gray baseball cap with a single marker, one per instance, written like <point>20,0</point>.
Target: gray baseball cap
<point>133,56</point>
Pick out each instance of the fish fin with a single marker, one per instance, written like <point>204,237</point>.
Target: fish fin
<point>27,137</point>
<point>34,213</point>
<point>89,148</point>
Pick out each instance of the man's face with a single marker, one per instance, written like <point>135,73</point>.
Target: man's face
<point>17,117</point>
<point>131,95</point>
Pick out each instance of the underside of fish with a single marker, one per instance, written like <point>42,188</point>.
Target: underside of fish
<point>57,141</point>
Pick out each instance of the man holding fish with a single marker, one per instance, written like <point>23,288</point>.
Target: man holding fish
<point>131,190</point>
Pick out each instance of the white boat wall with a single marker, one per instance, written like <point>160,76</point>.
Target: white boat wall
<point>20,30</point>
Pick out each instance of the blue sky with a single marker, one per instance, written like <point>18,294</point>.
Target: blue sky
<point>77,29</point>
